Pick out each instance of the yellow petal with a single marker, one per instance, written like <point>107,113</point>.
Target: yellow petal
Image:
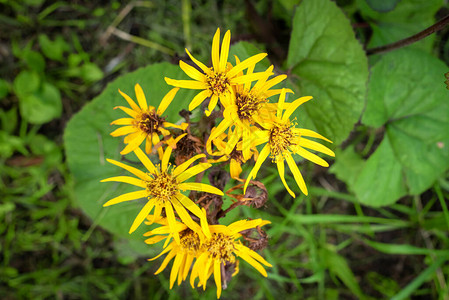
<point>203,67</point>
<point>175,268</point>
<point>224,124</point>
<point>133,170</point>
<point>190,205</point>
<point>281,170</point>
<point>142,215</point>
<point>257,257</point>
<point>293,106</point>
<point>154,239</point>
<point>315,146</point>
<point>212,103</point>
<point>182,167</point>
<point>135,143</point>
<point>312,157</point>
<point>181,268</point>
<point>270,93</point>
<point>170,247</point>
<point>311,133</point>
<point>198,99</point>
<point>124,130</point>
<point>201,187</point>
<point>197,267</point>
<point>146,161</point>
<point>172,221</point>
<point>127,179</point>
<point>130,101</point>
<point>123,121</point>
<point>203,274</point>
<point>242,225</point>
<point>157,214</point>
<point>201,167</point>
<point>165,102</point>
<point>235,169</point>
<point>247,78</point>
<point>127,197</point>
<point>217,276</point>
<point>129,111</point>
<point>204,224</point>
<point>296,174</point>
<point>242,252</point>
<point>148,145</point>
<point>192,72</point>
<point>280,106</point>
<point>141,97</point>
<point>166,158</point>
<point>224,51</point>
<point>272,82</point>
<point>164,264</point>
<point>186,84</point>
<point>262,156</point>
<point>184,216</point>
<point>245,64</point>
<point>216,51</point>
<point>187,264</point>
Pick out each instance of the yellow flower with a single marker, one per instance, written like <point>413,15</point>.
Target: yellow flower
<point>145,122</point>
<point>235,157</point>
<point>224,248</point>
<point>245,106</point>
<point>183,252</point>
<point>283,139</point>
<point>213,248</point>
<point>217,80</point>
<point>162,186</point>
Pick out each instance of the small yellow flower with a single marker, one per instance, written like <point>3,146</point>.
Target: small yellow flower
<point>145,122</point>
<point>283,139</point>
<point>213,249</point>
<point>244,107</point>
<point>217,80</point>
<point>162,186</point>
<point>184,252</point>
<point>225,248</point>
<point>235,158</point>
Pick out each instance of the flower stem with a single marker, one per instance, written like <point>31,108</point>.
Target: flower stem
<point>410,40</point>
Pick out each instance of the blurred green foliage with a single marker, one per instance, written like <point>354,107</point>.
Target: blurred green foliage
<point>377,230</point>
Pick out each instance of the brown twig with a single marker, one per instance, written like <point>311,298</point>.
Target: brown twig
<point>410,40</point>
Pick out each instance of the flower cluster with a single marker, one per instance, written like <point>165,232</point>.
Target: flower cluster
<point>243,122</point>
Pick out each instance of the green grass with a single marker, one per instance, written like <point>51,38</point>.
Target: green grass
<point>324,246</point>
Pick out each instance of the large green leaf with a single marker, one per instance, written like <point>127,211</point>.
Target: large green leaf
<point>407,96</point>
<point>408,18</point>
<point>88,144</point>
<point>328,63</point>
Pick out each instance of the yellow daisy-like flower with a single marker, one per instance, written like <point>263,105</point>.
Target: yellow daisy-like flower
<point>184,252</point>
<point>213,249</point>
<point>283,139</point>
<point>235,157</point>
<point>145,122</point>
<point>245,106</point>
<point>162,186</point>
<point>224,248</point>
<point>217,80</point>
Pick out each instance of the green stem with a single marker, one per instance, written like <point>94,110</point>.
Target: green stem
<point>410,40</point>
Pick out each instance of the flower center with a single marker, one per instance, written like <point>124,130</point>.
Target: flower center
<point>237,155</point>
<point>149,122</point>
<point>190,241</point>
<point>221,247</point>
<point>163,187</point>
<point>281,139</point>
<point>247,105</point>
<point>218,83</point>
